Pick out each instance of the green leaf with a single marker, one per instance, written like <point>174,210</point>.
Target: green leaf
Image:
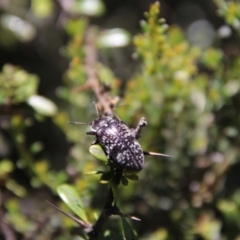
<point>114,38</point>
<point>124,181</point>
<point>23,30</point>
<point>127,230</point>
<point>16,84</point>
<point>76,26</point>
<point>42,105</point>
<point>106,177</point>
<point>43,8</point>
<point>69,195</point>
<point>6,166</point>
<point>92,8</point>
<point>94,172</point>
<point>132,177</point>
<point>36,147</point>
<point>97,152</point>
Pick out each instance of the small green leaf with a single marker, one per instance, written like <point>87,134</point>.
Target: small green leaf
<point>92,8</point>
<point>6,166</point>
<point>106,177</point>
<point>124,181</point>
<point>16,84</point>
<point>69,195</point>
<point>76,26</point>
<point>16,188</point>
<point>94,172</point>
<point>127,230</point>
<point>97,152</point>
<point>23,30</point>
<point>36,147</point>
<point>133,177</point>
<point>42,105</point>
<point>41,167</point>
<point>42,9</point>
<point>114,38</point>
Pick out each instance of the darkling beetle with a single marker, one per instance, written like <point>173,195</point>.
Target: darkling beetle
<point>119,142</point>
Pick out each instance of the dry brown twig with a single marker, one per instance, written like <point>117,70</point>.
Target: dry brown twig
<point>105,103</point>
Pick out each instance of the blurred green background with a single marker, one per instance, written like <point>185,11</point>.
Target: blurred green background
<point>182,74</point>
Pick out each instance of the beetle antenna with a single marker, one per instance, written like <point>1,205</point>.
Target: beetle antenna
<point>95,105</point>
<point>116,116</point>
<point>157,154</point>
<point>79,123</point>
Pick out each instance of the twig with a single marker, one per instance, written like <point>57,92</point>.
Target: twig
<point>108,210</point>
<point>104,100</point>
<point>93,81</point>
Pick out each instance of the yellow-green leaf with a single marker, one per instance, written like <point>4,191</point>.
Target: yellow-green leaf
<point>69,195</point>
<point>97,152</point>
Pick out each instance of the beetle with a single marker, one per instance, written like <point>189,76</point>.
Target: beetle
<point>119,142</point>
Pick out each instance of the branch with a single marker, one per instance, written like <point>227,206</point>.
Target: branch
<point>100,91</point>
<point>108,209</point>
<point>105,214</point>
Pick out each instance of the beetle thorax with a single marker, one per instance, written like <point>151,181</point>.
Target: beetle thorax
<point>100,123</point>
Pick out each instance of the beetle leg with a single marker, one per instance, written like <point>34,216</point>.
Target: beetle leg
<point>136,131</point>
<point>157,154</point>
<point>95,142</point>
<point>90,133</point>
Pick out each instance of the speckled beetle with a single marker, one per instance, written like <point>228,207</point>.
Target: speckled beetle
<point>119,142</point>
